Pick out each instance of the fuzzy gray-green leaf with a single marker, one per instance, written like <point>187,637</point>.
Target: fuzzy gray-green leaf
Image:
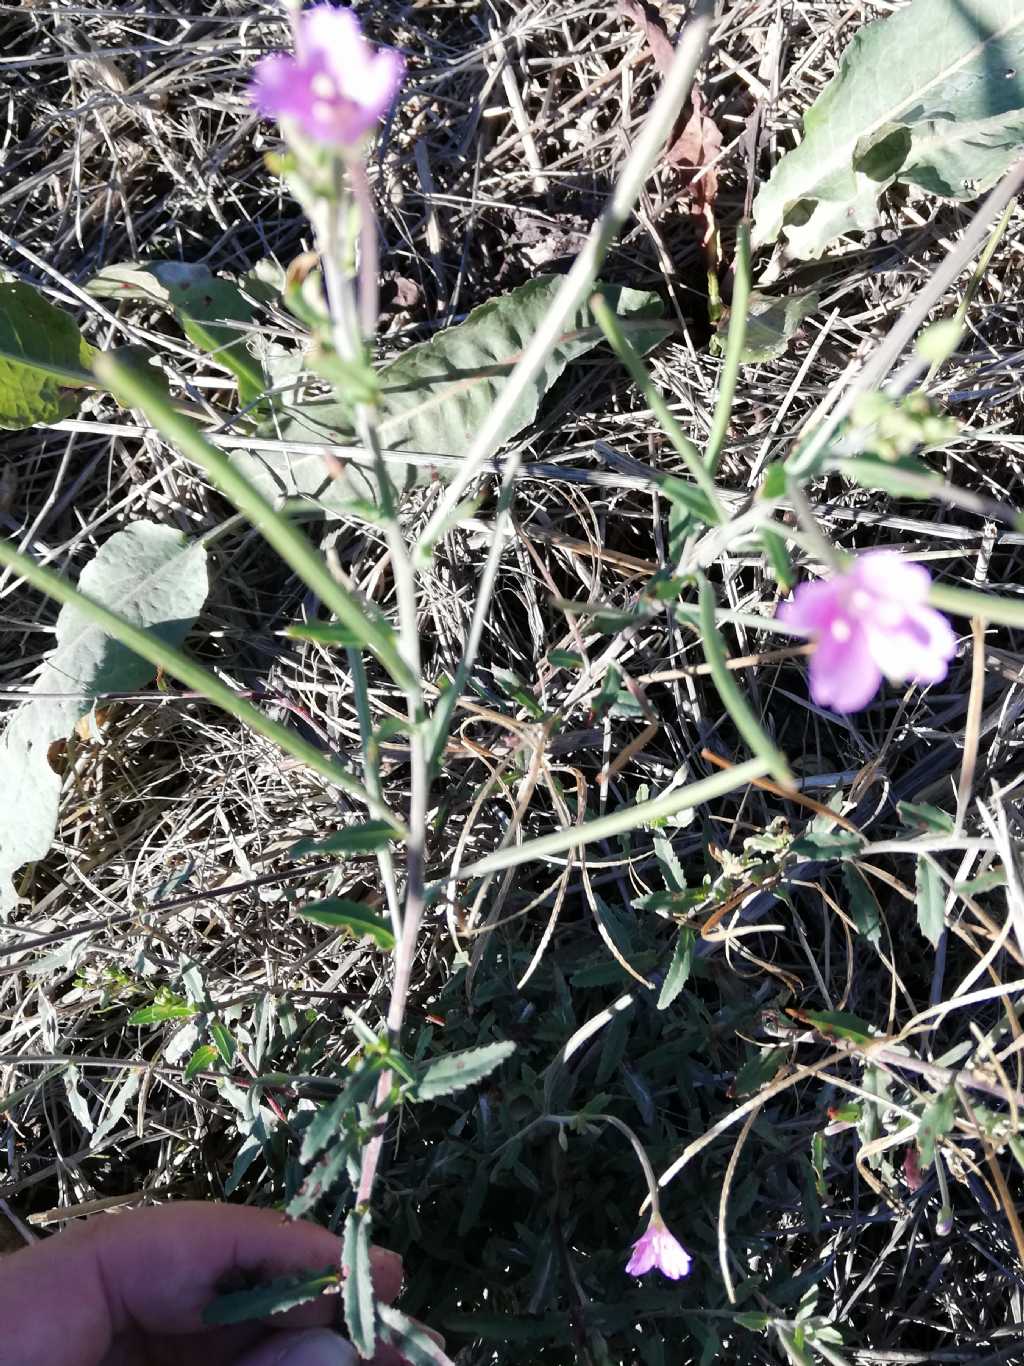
<point>946,116</point>
<point>155,578</point>
<point>435,395</point>
<point>456,1071</point>
<point>360,1313</point>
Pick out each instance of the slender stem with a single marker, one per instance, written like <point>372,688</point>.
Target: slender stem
<point>351,327</point>
<point>733,351</point>
<point>627,354</point>
<point>617,822</point>
<point>180,666</point>
<point>369,304</point>
<point>577,285</point>
<point>728,690</point>
<point>645,1161</point>
<point>139,391</point>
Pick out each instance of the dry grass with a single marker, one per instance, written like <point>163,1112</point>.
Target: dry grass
<point>130,136</point>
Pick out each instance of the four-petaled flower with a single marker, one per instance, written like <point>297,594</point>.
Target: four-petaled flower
<point>658,1249</point>
<point>335,87</point>
<point>870,621</point>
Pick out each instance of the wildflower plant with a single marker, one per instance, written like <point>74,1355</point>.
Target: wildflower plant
<point>459,399</point>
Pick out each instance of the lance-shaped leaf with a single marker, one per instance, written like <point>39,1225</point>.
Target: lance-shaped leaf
<point>434,397</point>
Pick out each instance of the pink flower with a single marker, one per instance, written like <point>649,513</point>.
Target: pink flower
<point>335,88</point>
<point>657,1248</point>
<point>870,621</point>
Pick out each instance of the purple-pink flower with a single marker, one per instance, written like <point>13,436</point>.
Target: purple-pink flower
<point>658,1249</point>
<point>335,87</point>
<point>870,621</point>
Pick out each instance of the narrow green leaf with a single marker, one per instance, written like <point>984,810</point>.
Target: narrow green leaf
<point>679,970</point>
<point>360,1311</point>
<point>455,1071</point>
<point>44,360</point>
<point>413,1343</point>
<point>565,659</point>
<point>926,817</point>
<point>732,698</point>
<point>828,844</point>
<point>931,901</point>
<point>985,882</point>
<point>273,1298</point>
<point>936,1121</point>
<point>294,547</point>
<point>862,905</point>
<point>224,1040</point>
<point>337,913</point>
<point>156,579</point>
<point>836,1024</point>
<point>759,1070</point>
<point>365,838</point>
<point>204,304</point>
<point>324,633</point>
<point>165,1006</point>
<point>201,1060</point>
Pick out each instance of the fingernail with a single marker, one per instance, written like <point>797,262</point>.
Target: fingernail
<point>319,1347</point>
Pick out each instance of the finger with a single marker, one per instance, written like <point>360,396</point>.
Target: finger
<point>155,1270</point>
<point>305,1347</point>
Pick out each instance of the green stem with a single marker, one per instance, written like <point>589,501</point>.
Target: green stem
<point>578,284</point>
<point>728,690</point>
<point>618,822</point>
<point>180,666</point>
<point>965,603</point>
<point>733,351</point>
<point>139,391</point>
<point>627,354</point>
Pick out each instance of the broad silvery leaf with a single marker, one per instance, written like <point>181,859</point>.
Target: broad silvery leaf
<point>932,96</point>
<point>155,578</point>
<point>434,396</point>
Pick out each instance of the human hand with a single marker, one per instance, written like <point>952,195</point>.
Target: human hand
<point>130,1290</point>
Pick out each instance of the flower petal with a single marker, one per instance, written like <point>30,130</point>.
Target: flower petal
<point>844,674</point>
<point>643,1257</point>
<point>918,649</point>
<point>888,574</point>
<point>812,607</point>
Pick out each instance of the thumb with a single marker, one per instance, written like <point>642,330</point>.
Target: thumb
<point>301,1347</point>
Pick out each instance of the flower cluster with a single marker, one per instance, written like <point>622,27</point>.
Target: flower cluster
<point>335,87</point>
<point>658,1249</point>
<point>872,621</point>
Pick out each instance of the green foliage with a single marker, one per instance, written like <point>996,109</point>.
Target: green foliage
<point>772,323</point>
<point>338,913</point>
<point>455,1071</point>
<point>948,118</point>
<point>204,304</point>
<point>274,1297</point>
<point>937,1120</point>
<point>679,971</point>
<point>436,394</point>
<point>893,428</point>
<point>165,1006</point>
<point>931,901</point>
<point>155,578</point>
<point>365,838</point>
<point>360,1313</point>
<point>44,359</point>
